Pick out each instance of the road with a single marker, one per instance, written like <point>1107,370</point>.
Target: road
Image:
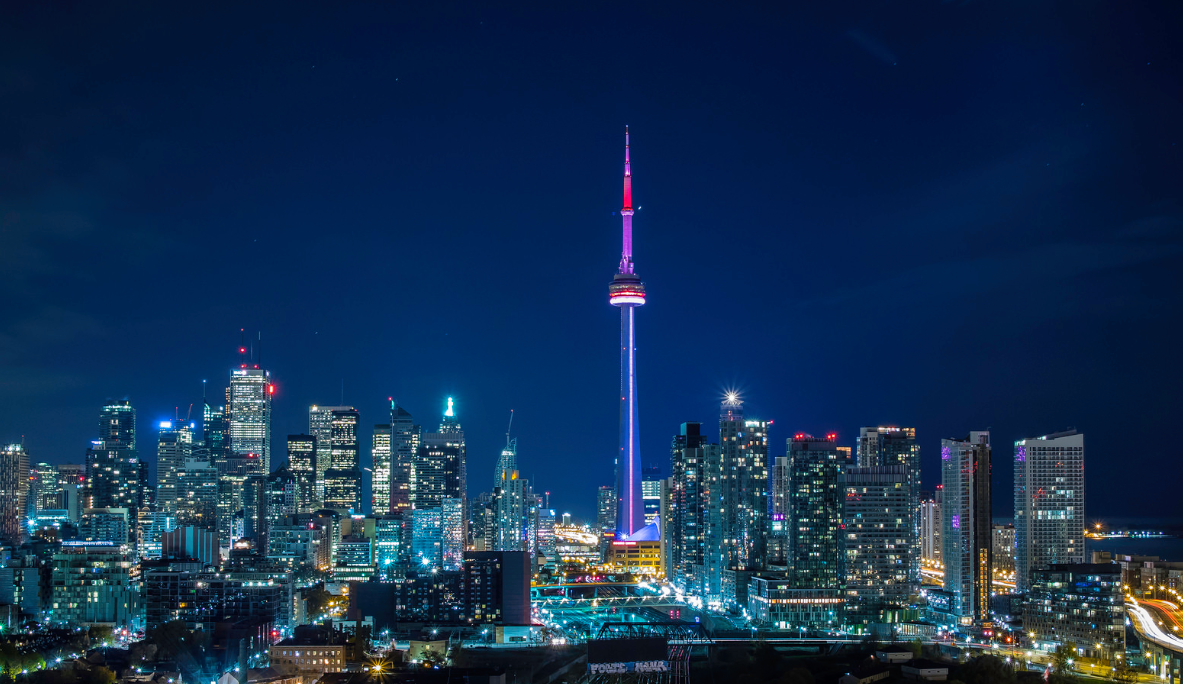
<point>1159,621</point>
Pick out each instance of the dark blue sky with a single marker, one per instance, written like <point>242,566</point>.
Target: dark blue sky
<point>952,215</point>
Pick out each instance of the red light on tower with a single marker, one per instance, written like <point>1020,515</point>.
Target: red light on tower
<point>271,389</point>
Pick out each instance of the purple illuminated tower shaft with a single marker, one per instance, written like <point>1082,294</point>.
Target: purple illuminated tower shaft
<point>627,292</point>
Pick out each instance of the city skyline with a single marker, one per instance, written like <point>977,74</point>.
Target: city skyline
<point>971,190</point>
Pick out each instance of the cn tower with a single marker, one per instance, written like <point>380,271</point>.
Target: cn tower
<point>627,292</point>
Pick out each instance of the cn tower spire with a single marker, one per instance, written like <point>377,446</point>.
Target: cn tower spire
<point>628,292</point>
<point>626,213</point>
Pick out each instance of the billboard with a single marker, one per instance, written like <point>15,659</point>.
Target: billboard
<point>618,656</point>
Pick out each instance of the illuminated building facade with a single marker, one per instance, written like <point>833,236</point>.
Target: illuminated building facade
<point>816,547</point>
<point>628,292</point>
<point>196,503</point>
<point>930,525</point>
<point>743,486</point>
<point>966,524</point>
<point>651,492</point>
<point>687,505</point>
<point>248,411</point>
<point>1049,503</point>
<point>438,470</point>
<point>44,490</point>
<point>404,444</point>
<point>877,525</point>
<point>320,425</point>
<point>775,602</point>
<point>427,537</point>
<point>302,464</point>
<point>1079,604</point>
<point>14,488</point>
<point>452,529</point>
<point>342,480</point>
<point>174,446</point>
<point>890,446</point>
<point>380,452</point>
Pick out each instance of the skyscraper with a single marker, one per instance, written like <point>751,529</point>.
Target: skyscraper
<point>876,521</point>
<point>342,481</point>
<point>627,292</point>
<point>452,530</point>
<point>302,464</point>
<point>815,542</point>
<point>889,446</point>
<point>651,492</point>
<point>320,425</point>
<point>117,425</point>
<point>507,463</point>
<point>383,467</point>
<point>404,444</point>
<point>687,505</point>
<point>438,468</point>
<point>930,524</point>
<point>112,462</point>
<point>743,486</point>
<point>248,410</point>
<point>174,446</point>
<point>1049,503</point>
<point>14,488</point>
<point>966,523</point>
<point>213,429</point>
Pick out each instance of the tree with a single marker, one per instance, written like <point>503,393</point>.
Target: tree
<point>917,647</point>
<point>765,659</point>
<point>797,675</point>
<point>1124,673</point>
<point>987,669</point>
<point>317,600</point>
<point>101,634</point>
<point>1061,657</point>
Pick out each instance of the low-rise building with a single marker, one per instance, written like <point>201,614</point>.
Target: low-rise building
<point>775,604</point>
<point>925,670</point>
<point>312,650</point>
<point>1081,603</point>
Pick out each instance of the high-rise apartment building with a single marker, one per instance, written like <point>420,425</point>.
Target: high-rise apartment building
<point>117,425</point>
<point>966,523</point>
<point>213,430</point>
<point>248,417</point>
<point>14,488</point>
<point>427,537</point>
<point>687,505</point>
<point>113,468</point>
<point>512,508</point>
<point>889,446</point>
<point>930,525</point>
<point>876,521</point>
<point>302,464</point>
<point>1049,503</point>
<point>507,463</point>
<point>383,459</point>
<point>1003,540</point>
<point>605,509</point>
<point>651,492</point>
<point>743,486</point>
<point>816,546</point>
<point>174,446</point>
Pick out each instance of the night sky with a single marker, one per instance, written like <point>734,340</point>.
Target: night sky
<point>951,215</point>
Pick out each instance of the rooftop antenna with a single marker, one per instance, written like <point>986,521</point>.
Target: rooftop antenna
<point>189,414</point>
<point>342,392</point>
<point>509,428</point>
<point>242,347</point>
<point>260,363</point>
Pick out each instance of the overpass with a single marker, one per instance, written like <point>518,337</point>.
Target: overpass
<point>1159,626</point>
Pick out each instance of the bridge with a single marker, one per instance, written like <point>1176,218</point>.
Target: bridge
<point>601,594</point>
<point>1159,625</point>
